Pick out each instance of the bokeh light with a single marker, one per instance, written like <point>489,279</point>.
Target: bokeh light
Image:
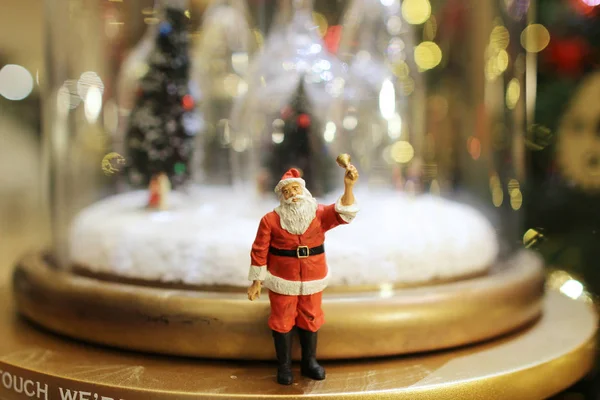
<point>532,237</point>
<point>277,137</point>
<point>535,38</point>
<point>494,181</point>
<point>350,122</point>
<point>16,83</point>
<point>496,190</point>
<point>329,133</point>
<point>513,92</point>
<point>557,278</point>
<point>538,137</point>
<point>400,69</point>
<point>516,199</point>
<point>387,99</point>
<point>86,81</point>
<point>428,55</point>
<point>591,3</point>
<point>474,147</point>
<point>402,152</point>
<point>93,104</point>
<point>395,50</point>
<point>67,96</point>
<point>239,62</point>
<point>240,144</point>
<point>416,12</point>
<point>321,22</point>
<point>513,186</point>
<point>568,285</point>
<point>408,86</point>
<point>499,38</point>
<point>497,196</point>
<point>572,288</point>
<point>491,70</point>
<point>497,58</point>
<point>394,25</point>
<point>502,61</point>
<point>386,290</point>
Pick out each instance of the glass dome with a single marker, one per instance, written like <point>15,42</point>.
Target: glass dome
<point>222,55</point>
<point>279,123</point>
<point>380,114</point>
<point>427,98</point>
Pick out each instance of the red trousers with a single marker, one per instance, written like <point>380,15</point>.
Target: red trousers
<point>303,311</point>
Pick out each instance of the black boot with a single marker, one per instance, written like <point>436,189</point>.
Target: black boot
<point>283,349</point>
<point>310,367</point>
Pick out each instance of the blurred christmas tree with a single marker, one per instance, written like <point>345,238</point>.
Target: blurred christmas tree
<point>571,54</point>
<point>564,149</point>
<point>563,193</point>
<point>297,141</point>
<point>163,123</point>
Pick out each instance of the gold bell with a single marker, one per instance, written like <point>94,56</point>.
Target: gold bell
<point>343,160</point>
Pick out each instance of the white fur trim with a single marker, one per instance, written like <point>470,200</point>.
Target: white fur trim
<point>284,182</point>
<point>257,273</point>
<point>348,213</point>
<point>295,288</point>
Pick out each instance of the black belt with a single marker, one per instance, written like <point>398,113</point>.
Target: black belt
<point>300,252</point>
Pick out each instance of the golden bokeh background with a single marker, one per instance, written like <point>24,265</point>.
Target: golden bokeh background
<point>24,222</point>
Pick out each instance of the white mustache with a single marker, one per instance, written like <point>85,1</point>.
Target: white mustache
<point>298,196</point>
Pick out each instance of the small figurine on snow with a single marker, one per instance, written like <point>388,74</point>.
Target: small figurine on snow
<point>159,189</point>
<point>288,258</point>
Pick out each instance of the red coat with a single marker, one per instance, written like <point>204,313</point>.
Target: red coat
<point>291,275</point>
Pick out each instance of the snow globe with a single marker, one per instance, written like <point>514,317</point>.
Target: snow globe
<point>156,200</point>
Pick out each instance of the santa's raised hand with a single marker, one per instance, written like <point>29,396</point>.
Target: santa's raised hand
<point>350,178</point>
<point>351,175</point>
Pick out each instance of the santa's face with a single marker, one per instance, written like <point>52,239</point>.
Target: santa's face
<point>291,191</point>
<point>578,146</point>
<point>297,210</point>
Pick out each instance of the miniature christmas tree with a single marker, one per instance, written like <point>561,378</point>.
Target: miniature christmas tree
<point>163,123</point>
<point>297,142</point>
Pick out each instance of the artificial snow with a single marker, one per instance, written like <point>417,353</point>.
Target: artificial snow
<point>206,236</point>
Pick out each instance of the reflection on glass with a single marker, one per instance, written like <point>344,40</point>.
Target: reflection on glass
<point>280,122</point>
<point>221,62</point>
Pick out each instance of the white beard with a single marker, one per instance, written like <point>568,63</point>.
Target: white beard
<point>297,217</point>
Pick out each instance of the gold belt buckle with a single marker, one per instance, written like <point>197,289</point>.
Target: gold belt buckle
<point>298,251</point>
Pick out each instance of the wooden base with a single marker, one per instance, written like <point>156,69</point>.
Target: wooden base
<point>535,363</point>
<point>228,326</point>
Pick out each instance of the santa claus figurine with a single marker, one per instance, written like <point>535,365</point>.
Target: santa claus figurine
<point>288,258</point>
<point>159,189</point>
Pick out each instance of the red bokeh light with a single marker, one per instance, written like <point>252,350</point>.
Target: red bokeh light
<point>303,120</point>
<point>188,102</point>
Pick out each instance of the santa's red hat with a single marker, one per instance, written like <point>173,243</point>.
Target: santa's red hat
<point>292,175</point>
